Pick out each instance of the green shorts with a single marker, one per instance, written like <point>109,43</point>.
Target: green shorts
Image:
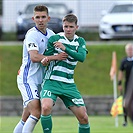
<point>65,91</point>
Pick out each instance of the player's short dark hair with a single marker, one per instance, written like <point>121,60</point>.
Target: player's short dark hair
<point>41,8</point>
<point>70,18</point>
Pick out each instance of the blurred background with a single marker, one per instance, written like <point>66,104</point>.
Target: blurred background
<point>89,13</point>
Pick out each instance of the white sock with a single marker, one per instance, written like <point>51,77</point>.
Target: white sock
<point>19,127</point>
<point>30,124</point>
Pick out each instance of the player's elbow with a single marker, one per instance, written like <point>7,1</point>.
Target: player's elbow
<point>82,59</point>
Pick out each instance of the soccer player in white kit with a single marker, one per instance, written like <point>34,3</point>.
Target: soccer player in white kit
<point>30,75</point>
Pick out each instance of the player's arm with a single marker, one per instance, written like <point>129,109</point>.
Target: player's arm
<point>49,53</point>
<point>35,56</point>
<point>78,55</point>
<point>120,77</point>
<point>32,47</point>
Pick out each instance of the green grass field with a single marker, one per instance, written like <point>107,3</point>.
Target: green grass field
<point>95,80</point>
<point>92,76</point>
<point>68,124</point>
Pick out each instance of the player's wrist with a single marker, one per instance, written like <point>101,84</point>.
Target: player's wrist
<point>63,48</point>
<point>44,59</point>
<point>53,57</point>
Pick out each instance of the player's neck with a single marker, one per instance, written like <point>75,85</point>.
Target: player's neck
<point>43,30</point>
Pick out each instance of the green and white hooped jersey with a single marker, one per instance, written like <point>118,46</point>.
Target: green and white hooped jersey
<point>63,70</point>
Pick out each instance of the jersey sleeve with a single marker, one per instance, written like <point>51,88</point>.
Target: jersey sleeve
<point>31,41</point>
<point>122,68</point>
<point>80,55</point>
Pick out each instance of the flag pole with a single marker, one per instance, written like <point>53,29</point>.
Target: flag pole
<point>113,71</point>
<point>115,97</point>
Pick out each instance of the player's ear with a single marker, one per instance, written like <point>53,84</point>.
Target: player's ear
<point>77,27</point>
<point>49,18</point>
<point>33,18</point>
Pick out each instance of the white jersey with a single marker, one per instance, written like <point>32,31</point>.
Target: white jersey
<point>35,40</point>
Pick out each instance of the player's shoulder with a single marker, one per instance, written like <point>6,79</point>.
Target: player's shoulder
<point>55,37</point>
<point>31,32</point>
<point>81,42</point>
<point>124,60</point>
<point>50,32</point>
<point>80,38</point>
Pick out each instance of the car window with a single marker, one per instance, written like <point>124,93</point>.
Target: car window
<point>122,9</point>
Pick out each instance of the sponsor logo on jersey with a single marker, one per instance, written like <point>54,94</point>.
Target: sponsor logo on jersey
<point>78,101</point>
<point>46,129</point>
<point>32,45</point>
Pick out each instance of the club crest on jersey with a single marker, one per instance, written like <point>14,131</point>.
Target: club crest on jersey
<point>32,45</point>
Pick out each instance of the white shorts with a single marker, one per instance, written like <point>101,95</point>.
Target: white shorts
<point>29,91</point>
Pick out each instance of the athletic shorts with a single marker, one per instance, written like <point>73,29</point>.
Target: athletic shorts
<point>65,91</point>
<point>29,91</point>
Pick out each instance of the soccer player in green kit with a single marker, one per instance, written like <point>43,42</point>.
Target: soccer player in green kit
<point>59,80</point>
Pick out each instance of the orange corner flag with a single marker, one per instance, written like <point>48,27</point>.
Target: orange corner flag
<point>113,66</point>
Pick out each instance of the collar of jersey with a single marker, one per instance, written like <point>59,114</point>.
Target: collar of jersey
<point>41,32</point>
<point>130,58</point>
<point>63,34</point>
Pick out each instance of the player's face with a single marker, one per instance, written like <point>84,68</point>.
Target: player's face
<point>69,29</point>
<point>129,51</point>
<point>41,19</point>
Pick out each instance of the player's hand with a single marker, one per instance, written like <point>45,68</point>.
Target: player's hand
<point>62,56</point>
<point>59,45</point>
<point>45,61</point>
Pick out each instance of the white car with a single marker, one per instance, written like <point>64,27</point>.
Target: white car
<point>117,22</point>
